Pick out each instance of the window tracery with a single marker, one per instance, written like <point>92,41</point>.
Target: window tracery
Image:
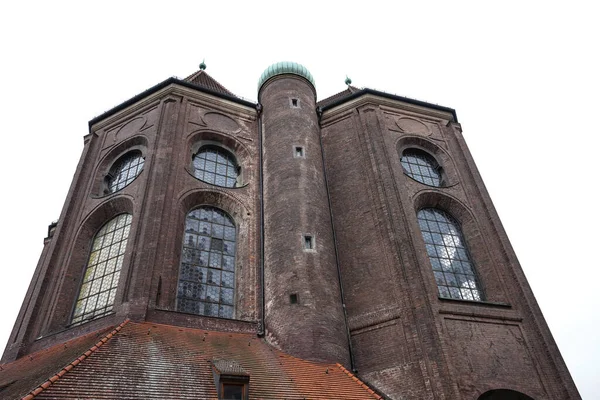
<point>216,166</point>
<point>124,171</point>
<point>452,266</point>
<point>422,167</point>
<point>101,278</point>
<point>207,272</point>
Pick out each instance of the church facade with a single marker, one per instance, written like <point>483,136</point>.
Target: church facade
<point>352,235</point>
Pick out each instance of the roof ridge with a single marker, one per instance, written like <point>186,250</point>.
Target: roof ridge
<point>359,382</point>
<point>40,388</point>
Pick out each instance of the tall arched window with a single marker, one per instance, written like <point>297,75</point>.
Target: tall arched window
<point>215,165</point>
<point>101,278</point>
<point>124,171</point>
<point>421,167</point>
<point>450,259</point>
<point>207,272</point>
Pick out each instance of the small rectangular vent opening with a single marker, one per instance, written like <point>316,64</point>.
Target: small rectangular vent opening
<point>299,152</point>
<point>309,242</point>
<point>294,102</point>
<point>293,298</point>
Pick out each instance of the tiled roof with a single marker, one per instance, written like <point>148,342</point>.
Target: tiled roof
<point>201,78</point>
<point>22,376</point>
<point>338,96</point>
<point>152,361</point>
<point>230,367</point>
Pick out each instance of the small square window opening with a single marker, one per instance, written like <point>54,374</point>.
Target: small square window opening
<point>309,242</point>
<point>299,152</point>
<point>294,102</point>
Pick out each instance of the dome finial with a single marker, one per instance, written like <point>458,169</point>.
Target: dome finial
<point>202,65</point>
<point>348,81</point>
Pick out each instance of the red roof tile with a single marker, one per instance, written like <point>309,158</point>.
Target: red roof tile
<point>151,361</point>
<point>28,373</point>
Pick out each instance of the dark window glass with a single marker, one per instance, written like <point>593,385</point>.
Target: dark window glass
<point>232,392</point>
<point>450,259</point>
<point>215,166</point>
<point>207,271</point>
<point>421,167</point>
<point>124,171</point>
<point>101,278</point>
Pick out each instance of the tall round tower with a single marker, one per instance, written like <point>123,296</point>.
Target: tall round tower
<point>303,308</point>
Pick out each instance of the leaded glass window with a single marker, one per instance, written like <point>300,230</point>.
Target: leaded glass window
<point>450,259</point>
<point>125,171</point>
<point>421,167</point>
<point>101,277</point>
<point>215,165</point>
<point>207,272</point>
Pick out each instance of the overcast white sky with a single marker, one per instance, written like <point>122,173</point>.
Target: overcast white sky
<point>523,77</point>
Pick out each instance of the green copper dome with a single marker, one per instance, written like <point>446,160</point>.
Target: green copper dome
<point>285,67</point>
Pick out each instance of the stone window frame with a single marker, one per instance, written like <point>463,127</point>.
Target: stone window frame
<point>246,267</point>
<point>448,171</point>
<point>235,263</point>
<point>302,148</point>
<point>484,264</point>
<point>313,242</point>
<point>113,171</point>
<point>467,266</point>
<point>239,150</point>
<point>115,276</point>
<point>107,164</point>
<point>201,144</point>
<point>74,263</point>
<point>428,159</point>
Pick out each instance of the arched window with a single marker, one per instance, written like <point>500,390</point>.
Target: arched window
<point>216,166</point>
<point>101,278</point>
<point>450,259</point>
<point>421,167</point>
<point>503,394</point>
<point>124,171</point>
<point>207,272</point>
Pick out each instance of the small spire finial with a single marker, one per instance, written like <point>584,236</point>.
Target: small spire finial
<point>348,81</point>
<point>202,65</point>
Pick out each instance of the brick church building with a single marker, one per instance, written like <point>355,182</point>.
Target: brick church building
<point>212,247</point>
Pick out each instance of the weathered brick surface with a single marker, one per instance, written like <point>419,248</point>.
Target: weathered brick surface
<point>407,342</point>
<point>295,204</point>
<point>166,128</point>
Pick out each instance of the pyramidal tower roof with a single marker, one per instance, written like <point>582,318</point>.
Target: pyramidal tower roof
<point>203,79</point>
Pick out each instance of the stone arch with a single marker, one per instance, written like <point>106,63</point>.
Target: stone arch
<point>216,198</point>
<point>443,201</point>
<point>440,155</point>
<point>504,394</point>
<point>240,215</point>
<point>229,143</point>
<point>136,143</point>
<point>79,252</point>
<point>469,227</point>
